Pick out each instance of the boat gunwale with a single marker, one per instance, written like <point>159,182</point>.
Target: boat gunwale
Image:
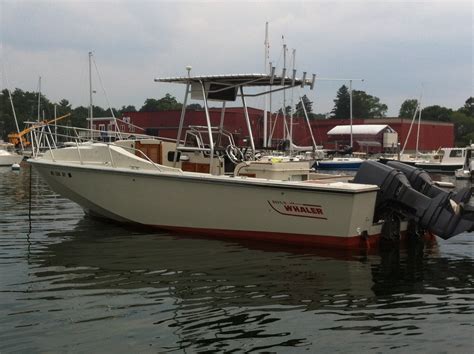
<point>207,178</point>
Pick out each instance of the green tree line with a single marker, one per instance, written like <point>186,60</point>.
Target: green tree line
<point>364,105</point>
<point>463,117</point>
<point>26,109</point>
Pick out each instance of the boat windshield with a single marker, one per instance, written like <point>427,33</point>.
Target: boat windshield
<point>456,153</point>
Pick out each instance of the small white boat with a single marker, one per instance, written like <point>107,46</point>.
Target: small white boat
<point>408,159</point>
<point>447,160</point>
<point>8,156</point>
<point>339,163</point>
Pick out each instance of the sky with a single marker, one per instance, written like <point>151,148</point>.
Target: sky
<point>402,49</point>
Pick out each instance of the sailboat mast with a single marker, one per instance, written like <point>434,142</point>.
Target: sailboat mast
<point>409,129</point>
<point>90,95</point>
<point>284,91</point>
<point>265,109</point>
<point>419,122</point>
<point>39,99</point>
<point>291,112</point>
<point>55,125</point>
<point>350,108</point>
<point>418,131</point>
<point>14,116</point>
<point>270,136</point>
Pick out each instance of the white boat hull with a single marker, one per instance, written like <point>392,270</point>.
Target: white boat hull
<point>463,174</point>
<point>220,205</point>
<point>10,159</point>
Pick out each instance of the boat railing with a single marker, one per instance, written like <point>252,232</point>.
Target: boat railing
<point>45,140</point>
<point>198,132</point>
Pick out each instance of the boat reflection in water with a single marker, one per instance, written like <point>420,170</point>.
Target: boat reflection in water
<point>199,294</point>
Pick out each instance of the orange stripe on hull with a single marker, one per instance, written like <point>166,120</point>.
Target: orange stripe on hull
<point>354,242</point>
<point>327,242</point>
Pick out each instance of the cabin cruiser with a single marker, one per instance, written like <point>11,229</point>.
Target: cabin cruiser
<point>8,155</point>
<point>446,160</point>
<point>205,184</point>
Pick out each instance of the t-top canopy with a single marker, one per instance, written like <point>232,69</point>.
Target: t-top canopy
<point>242,80</point>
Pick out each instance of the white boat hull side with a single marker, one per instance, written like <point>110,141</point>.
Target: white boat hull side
<point>8,160</point>
<point>210,206</point>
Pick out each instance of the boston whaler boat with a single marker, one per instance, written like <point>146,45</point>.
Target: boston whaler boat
<point>215,188</point>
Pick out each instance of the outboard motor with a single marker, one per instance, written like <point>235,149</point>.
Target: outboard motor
<point>432,208</point>
<point>422,182</point>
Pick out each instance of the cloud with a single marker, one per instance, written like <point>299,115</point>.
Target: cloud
<point>395,46</point>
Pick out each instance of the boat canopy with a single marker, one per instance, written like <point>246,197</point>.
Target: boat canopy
<point>227,88</point>
<point>242,80</point>
<point>361,129</point>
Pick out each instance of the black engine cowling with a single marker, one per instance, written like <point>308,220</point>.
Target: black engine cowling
<point>410,192</point>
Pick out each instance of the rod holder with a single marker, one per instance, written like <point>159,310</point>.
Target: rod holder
<point>313,82</point>
<point>303,82</point>
<point>293,78</point>
<point>272,75</point>
<point>283,74</point>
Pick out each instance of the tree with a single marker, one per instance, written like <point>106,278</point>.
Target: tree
<point>78,117</point>
<point>64,104</point>
<point>436,113</point>
<point>318,115</point>
<point>308,105</point>
<point>468,108</point>
<point>63,107</point>
<point>163,104</point>
<point>128,108</point>
<point>195,106</point>
<point>150,105</point>
<point>463,128</point>
<point>363,105</point>
<point>287,111</point>
<point>367,106</point>
<point>26,109</point>
<point>408,108</point>
<point>341,103</point>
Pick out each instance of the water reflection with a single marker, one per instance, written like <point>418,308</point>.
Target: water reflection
<point>212,293</point>
<point>79,284</point>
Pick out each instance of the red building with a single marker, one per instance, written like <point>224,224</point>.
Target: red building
<point>433,135</point>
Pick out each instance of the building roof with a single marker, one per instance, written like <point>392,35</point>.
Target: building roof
<point>361,129</point>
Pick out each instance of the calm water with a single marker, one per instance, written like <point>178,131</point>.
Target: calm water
<point>72,284</point>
